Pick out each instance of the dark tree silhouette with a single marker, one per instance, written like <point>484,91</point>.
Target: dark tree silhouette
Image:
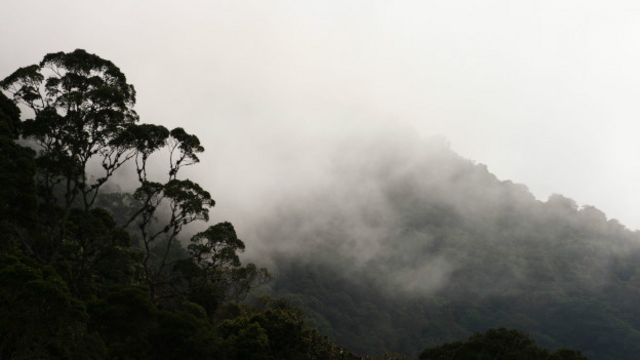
<point>497,344</point>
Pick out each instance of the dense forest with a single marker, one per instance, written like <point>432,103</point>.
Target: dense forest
<point>88,273</point>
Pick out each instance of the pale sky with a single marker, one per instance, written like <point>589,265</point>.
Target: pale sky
<point>546,93</point>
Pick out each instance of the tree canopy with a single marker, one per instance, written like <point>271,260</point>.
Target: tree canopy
<point>86,274</point>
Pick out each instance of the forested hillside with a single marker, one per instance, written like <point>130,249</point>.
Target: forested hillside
<point>416,245</point>
<point>410,250</point>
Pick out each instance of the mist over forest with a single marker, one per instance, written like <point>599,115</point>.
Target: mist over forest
<point>389,241</point>
<point>402,237</point>
<point>296,180</point>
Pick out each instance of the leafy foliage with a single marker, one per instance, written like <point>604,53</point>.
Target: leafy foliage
<point>88,275</point>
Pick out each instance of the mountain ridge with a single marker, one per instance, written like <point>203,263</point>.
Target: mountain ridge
<point>443,238</point>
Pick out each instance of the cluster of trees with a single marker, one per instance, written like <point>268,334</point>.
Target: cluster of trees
<point>497,344</point>
<point>89,275</point>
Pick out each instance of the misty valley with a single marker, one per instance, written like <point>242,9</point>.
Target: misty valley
<point>402,250</point>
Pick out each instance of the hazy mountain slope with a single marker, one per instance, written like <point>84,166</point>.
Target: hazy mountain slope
<point>409,244</point>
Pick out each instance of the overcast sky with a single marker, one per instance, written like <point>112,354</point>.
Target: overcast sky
<point>546,93</point>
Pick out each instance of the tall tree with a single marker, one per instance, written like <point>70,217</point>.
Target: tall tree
<point>82,110</point>
<point>81,104</point>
